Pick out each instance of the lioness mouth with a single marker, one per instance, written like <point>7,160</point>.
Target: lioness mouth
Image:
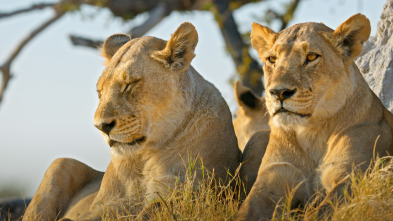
<point>283,110</point>
<point>137,141</point>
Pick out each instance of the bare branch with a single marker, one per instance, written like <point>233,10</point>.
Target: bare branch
<point>288,15</point>
<point>155,16</point>
<point>247,67</point>
<point>81,41</point>
<point>6,67</point>
<point>31,8</point>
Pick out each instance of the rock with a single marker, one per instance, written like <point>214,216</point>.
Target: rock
<point>376,59</point>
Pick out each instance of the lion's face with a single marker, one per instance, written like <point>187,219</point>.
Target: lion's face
<point>139,89</point>
<point>307,70</point>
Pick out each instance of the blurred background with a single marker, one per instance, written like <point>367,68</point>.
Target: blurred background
<point>47,108</point>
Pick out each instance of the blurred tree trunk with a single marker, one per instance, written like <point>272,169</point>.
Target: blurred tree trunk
<point>249,70</point>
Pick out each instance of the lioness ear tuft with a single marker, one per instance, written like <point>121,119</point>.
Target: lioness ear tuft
<point>351,34</point>
<point>262,38</point>
<point>179,50</point>
<point>245,98</point>
<point>113,43</point>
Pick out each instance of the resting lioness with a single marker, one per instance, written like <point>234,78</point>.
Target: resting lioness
<point>324,118</point>
<point>157,114</point>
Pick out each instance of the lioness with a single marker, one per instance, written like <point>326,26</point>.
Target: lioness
<point>252,115</point>
<point>251,118</point>
<point>324,118</point>
<point>157,114</point>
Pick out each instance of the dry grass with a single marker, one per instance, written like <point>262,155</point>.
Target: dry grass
<point>207,199</point>
<point>370,198</point>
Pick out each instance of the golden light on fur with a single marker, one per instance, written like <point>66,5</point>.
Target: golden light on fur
<point>351,35</point>
<point>262,38</point>
<point>179,51</point>
<point>112,44</point>
<point>324,118</point>
<point>157,115</point>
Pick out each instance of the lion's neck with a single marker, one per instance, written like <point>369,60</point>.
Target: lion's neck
<point>173,123</point>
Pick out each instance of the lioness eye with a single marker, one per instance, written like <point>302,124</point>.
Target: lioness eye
<point>129,86</point>
<point>126,88</point>
<point>272,59</point>
<point>312,57</point>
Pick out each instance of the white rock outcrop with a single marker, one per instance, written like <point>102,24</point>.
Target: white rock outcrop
<point>376,59</point>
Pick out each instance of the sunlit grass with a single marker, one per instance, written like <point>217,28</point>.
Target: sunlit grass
<point>370,198</point>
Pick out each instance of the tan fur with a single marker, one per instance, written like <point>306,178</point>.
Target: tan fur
<point>162,115</point>
<point>252,158</point>
<point>332,122</point>
<point>252,115</point>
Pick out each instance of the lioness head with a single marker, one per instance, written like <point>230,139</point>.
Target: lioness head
<point>140,88</point>
<point>307,68</point>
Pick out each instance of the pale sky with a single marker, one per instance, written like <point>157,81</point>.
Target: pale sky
<point>49,106</point>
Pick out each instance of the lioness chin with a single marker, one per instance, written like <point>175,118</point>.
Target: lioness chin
<point>325,120</point>
<point>158,115</point>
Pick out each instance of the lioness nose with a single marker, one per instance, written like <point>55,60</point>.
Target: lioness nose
<point>106,127</point>
<point>282,94</point>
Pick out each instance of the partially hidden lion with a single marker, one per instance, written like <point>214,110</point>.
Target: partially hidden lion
<point>251,116</point>
<point>251,120</point>
<point>325,120</point>
<point>158,115</point>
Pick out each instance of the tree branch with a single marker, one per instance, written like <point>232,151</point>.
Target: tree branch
<point>155,16</point>
<point>81,41</point>
<point>6,67</point>
<point>247,67</point>
<point>31,8</point>
<point>288,15</point>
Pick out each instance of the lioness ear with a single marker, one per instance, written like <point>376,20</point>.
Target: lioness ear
<point>351,34</point>
<point>179,50</point>
<point>113,43</point>
<point>245,98</point>
<point>262,38</point>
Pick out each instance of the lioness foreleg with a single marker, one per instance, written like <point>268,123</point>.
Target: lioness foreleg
<point>274,182</point>
<point>62,181</point>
